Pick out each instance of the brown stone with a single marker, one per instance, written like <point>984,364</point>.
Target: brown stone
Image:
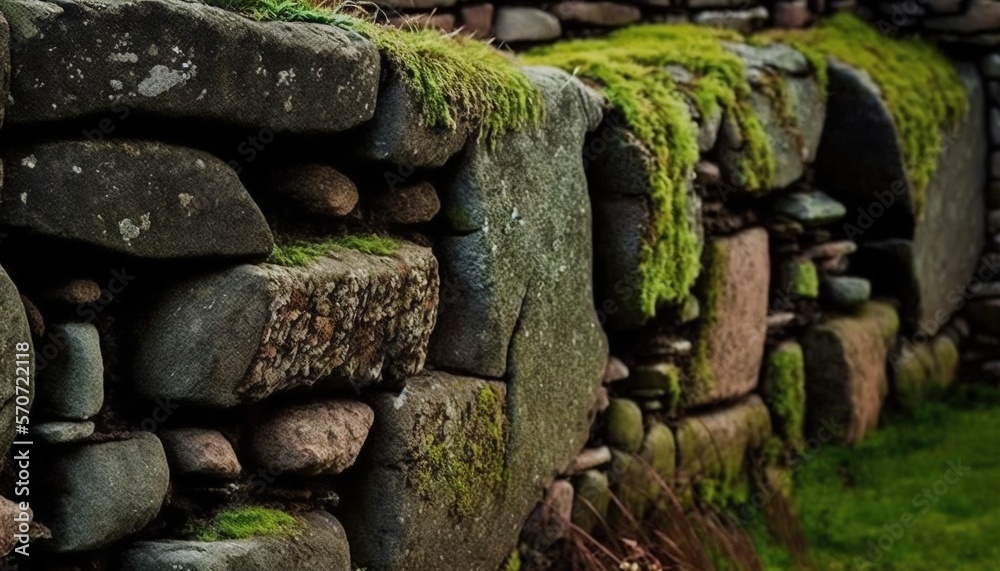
<point>597,13</point>
<point>318,189</point>
<point>430,21</point>
<point>550,521</point>
<point>792,14</point>
<point>831,249</point>
<point>36,323</point>
<point>590,458</point>
<point>72,292</point>
<point>477,20</point>
<point>615,370</point>
<point>317,438</point>
<point>200,453</point>
<point>707,173</point>
<point>411,204</point>
<point>980,16</point>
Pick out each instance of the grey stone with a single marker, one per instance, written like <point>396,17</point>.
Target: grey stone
<point>522,310</point>
<point>178,59</point>
<point>62,432</point>
<point>321,546</point>
<point>200,453</point>
<point>742,21</point>
<point>95,494</point>
<point>14,335</point>
<point>522,24</point>
<point>990,65</point>
<point>345,319</point>
<point>71,384</point>
<point>144,199</point>
<point>847,291</point>
<point>323,437</point>
<point>717,444</point>
<point>814,208</point>
<point>979,16</point>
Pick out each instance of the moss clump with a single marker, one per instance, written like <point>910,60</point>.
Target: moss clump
<point>633,67</point>
<point>456,78</point>
<point>701,377</point>
<point>805,282</point>
<point>920,87</point>
<point>785,392</point>
<point>463,469</point>
<point>248,521</point>
<point>513,562</point>
<point>300,253</point>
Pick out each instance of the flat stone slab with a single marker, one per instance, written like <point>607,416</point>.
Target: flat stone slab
<point>344,320</point>
<point>141,198</point>
<point>182,59</point>
<point>321,546</point>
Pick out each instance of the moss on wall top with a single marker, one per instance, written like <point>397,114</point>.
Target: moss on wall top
<point>638,70</point>
<point>921,89</point>
<point>301,253</point>
<point>457,78</point>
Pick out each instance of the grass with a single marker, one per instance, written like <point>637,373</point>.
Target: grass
<point>300,253</point>
<point>457,79</point>
<point>246,522</point>
<point>850,499</point>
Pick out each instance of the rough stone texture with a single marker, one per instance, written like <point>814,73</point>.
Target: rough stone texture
<point>72,292</point>
<point>318,189</point>
<point>742,21</point>
<point>323,437</point>
<point>980,16</point>
<point>62,432</point>
<point>71,384</point>
<point>144,199</point>
<point>590,458</point>
<point>13,330</point>
<point>477,20</point>
<point>522,24</point>
<point>8,526</point>
<point>398,134</point>
<point>735,338</point>
<point>519,263</point>
<point>795,145</point>
<point>92,495</point>
<point>200,453</point>
<point>322,546</point>
<point>410,204</point>
<point>715,444</point>
<point>345,319</point>
<point>845,361</point>
<point>597,13</point>
<point>551,520</point>
<point>946,240</point>
<point>625,425</point>
<point>180,59</point>
<point>810,208</point>
<point>847,291</point>
<point>641,480</point>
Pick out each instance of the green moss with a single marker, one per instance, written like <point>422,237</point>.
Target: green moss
<point>248,521</point>
<point>806,280</point>
<point>513,562</point>
<point>946,359</point>
<point>464,469</point>
<point>632,68</point>
<point>300,253</point>
<point>920,87</point>
<point>785,392</point>
<point>456,78</point>
<point>700,377</point>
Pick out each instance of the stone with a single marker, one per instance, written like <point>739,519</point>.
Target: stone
<point>660,376</point>
<point>8,525</point>
<point>321,546</point>
<point>70,385</point>
<point>416,4</point>
<point>742,21</point>
<point>990,66</point>
<point>346,319</point>
<point>780,319</point>
<point>146,199</point>
<point>707,173</point>
<point>73,292</point>
<point>477,20</point>
<point>643,481</point>
<point>299,77</point>
<point>716,445</point>
<point>847,291</point>
<point>979,16</point>
<point>918,259</point>
<point>200,453</point>
<point>551,520</point>
<point>792,15</point>
<point>615,371</point>
<point>814,208</point>
<point>590,458</point>
<point>794,143</point>
<point>398,133</point>
<point>831,250</point>
<point>624,421</point>
<point>734,320</point>
<point>92,495</point>
<point>61,432</point>
<point>591,499</point>
<point>316,189</point>
<point>599,13</point>
<point>323,437</point>
<point>15,336</point>
<point>36,323</point>
<point>518,256</point>
<point>523,24</point>
<point>442,22</point>
<point>922,371</point>
<point>782,387</point>
<point>845,359</point>
<point>410,204</point>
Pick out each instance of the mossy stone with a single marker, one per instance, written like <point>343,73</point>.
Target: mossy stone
<point>810,208</point>
<point>591,498</point>
<point>804,278</point>
<point>783,387</point>
<point>624,419</point>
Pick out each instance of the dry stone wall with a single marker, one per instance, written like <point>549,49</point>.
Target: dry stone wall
<point>371,341</point>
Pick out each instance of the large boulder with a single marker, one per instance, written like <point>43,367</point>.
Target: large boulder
<point>15,336</point>
<point>182,59</point>
<point>321,546</point>
<point>345,319</point>
<point>845,364</point>
<point>919,257</point>
<point>92,495</point>
<point>517,272</point>
<point>140,198</point>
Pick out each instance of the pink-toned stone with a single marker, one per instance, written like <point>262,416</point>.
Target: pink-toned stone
<point>831,249</point>
<point>200,453</point>
<point>317,438</point>
<point>980,16</point>
<point>597,13</point>
<point>477,20</point>
<point>615,370</point>
<point>319,189</point>
<point>550,521</point>
<point>590,458</point>
<point>9,513</point>
<point>792,14</point>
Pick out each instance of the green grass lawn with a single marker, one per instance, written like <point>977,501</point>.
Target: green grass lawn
<point>886,504</point>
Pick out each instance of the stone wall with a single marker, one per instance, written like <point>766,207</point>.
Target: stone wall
<point>281,320</point>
